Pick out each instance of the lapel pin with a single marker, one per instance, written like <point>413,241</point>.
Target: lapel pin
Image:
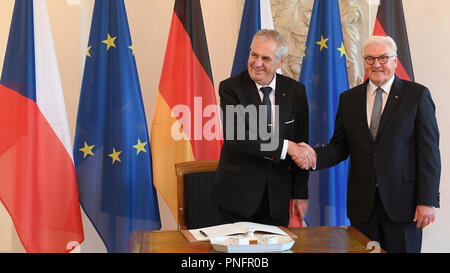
<point>396,97</point>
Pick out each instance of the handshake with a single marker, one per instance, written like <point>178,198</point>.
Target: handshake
<point>302,154</point>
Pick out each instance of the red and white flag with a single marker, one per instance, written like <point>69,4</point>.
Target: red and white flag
<point>38,183</point>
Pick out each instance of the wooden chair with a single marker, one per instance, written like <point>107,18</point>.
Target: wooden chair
<point>194,184</point>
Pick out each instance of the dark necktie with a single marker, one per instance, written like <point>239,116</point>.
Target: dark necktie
<point>266,100</point>
<point>376,113</point>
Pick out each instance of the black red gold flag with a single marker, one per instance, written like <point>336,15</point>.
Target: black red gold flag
<point>391,22</point>
<point>186,123</point>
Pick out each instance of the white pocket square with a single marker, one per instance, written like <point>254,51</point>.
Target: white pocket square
<point>288,122</point>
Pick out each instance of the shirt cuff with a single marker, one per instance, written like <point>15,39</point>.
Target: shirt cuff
<point>284,150</point>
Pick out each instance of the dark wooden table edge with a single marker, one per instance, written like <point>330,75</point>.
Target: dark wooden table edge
<point>360,237</point>
<point>136,239</point>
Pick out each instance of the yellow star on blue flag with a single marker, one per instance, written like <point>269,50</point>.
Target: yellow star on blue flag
<point>110,42</point>
<point>87,150</point>
<point>115,155</point>
<point>322,42</point>
<point>140,147</point>
<point>342,50</point>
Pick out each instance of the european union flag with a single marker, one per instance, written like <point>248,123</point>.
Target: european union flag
<point>324,73</point>
<point>111,150</point>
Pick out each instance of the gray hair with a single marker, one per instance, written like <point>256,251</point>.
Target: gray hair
<point>266,34</point>
<point>374,39</point>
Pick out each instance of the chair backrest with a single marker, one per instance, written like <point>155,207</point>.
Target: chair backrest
<point>194,184</point>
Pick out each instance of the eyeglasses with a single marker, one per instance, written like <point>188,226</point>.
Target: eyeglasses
<point>381,59</point>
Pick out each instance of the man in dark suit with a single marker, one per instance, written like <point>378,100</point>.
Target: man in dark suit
<point>389,129</point>
<point>256,177</point>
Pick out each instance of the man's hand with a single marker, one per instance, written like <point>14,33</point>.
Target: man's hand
<point>302,154</point>
<point>299,207</point>
<point>424,216</point>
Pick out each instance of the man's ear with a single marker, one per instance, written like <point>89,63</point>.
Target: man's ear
<point>395,62</point>
<point>280,64</point>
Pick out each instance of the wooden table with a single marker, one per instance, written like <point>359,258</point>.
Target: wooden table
<point>310,239</point>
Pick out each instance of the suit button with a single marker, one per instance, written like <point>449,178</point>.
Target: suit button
<point>264,174</point>
<point>375,154</point>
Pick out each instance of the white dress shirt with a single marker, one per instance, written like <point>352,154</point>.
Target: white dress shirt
<point>371,93</point>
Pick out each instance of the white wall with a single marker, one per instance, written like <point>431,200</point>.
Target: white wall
<point>429,36</point>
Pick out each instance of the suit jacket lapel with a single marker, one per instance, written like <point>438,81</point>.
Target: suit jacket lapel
<point>361,108</point>
<point>394,98</point>
<point>250,90</point>
<point>282,100</point>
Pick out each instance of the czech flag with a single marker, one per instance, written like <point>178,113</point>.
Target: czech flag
<point>256,15</point>
<point>186,122</point>
<point>38,183</point>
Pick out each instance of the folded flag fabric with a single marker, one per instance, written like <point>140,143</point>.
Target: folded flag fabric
<point>186,122</point>
<point>111,150</point>
<point>38,183</point>
<point>324,73</point>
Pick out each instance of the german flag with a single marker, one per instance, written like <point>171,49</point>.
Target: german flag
<point>391,22</point>
<point>186,122</point>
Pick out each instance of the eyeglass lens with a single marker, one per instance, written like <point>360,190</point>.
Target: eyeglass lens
<point>381,59</point>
